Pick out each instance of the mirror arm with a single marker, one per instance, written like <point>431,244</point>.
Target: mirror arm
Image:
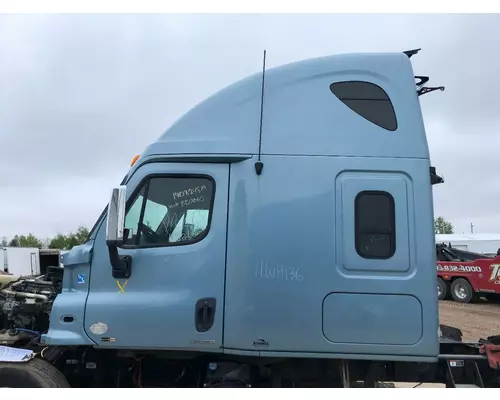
<point>121,265</point>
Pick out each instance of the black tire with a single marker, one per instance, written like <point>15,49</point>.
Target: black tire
<point>35,373</point>
<point>442,288</point>
<point>462,291</point>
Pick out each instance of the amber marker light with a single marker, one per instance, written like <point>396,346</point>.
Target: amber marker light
<point>134,160</point>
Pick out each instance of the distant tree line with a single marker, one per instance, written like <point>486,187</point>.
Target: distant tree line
<point>60,241</point>
<point>441,226</point>
<point>66,242</point>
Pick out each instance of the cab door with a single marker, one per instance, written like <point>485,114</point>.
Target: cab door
<point>176,220</point>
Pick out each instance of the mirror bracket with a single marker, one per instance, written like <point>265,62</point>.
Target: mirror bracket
<point>121,266</point>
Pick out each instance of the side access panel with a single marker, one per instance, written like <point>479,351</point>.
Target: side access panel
<point>376,242</point>
<point>384,254</point>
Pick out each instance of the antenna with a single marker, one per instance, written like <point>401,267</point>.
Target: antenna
<point>259,166</point>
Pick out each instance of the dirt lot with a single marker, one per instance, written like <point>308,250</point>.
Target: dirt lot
<point>476,320</point>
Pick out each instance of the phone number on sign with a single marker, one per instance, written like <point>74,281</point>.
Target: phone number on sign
<point>458,268</point>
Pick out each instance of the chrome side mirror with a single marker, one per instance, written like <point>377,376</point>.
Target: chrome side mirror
<point>121,266</point>
<point>116,217</point>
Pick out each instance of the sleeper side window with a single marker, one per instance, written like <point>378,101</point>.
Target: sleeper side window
<point>367,100</point>
<point>374,219</point>
<point>170,211</point>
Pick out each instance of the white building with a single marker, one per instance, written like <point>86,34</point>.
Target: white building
<point>486,243</point>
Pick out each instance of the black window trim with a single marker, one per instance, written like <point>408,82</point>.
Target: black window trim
<point>145,181</point>
<point>393,224</point>
<point>357,113</point>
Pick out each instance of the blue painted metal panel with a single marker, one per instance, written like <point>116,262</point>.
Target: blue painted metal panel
<point>156,308</point>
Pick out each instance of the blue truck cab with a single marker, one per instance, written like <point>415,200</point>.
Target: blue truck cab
<point>290,217</point>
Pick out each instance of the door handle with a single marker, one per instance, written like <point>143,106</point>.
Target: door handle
<point>204,313</point>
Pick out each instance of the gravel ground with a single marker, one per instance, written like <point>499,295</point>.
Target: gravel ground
<point>477,320</point>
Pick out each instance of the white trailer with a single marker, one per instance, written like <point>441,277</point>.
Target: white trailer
<point>484,243</point>
<point>20,261</point>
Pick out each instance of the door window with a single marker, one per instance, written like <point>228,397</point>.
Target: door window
<point>171,210</point>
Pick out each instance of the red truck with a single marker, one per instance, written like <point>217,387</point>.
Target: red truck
<point>465,276</point>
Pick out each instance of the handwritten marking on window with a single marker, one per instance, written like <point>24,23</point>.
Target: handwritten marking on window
<point>187,202</point>
<point>189,192</point>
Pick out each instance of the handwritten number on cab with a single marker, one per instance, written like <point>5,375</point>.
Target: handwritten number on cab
<point>277,272</point>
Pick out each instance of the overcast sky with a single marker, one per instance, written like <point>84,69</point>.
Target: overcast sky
<point>82,94</point>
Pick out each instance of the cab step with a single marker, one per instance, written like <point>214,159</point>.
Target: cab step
<point>463,374</point>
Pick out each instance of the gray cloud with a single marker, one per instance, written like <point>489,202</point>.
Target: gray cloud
<point>82,94</point>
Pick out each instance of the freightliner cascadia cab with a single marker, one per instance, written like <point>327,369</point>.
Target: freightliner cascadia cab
<point>290,216</point>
